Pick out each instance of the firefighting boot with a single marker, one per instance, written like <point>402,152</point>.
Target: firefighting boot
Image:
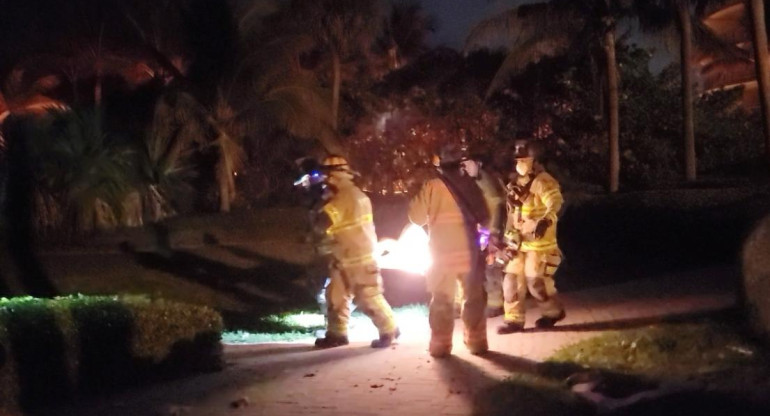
<point>477,347</point>
<point>510,327</point>
<point>386,340</point>
<point>331,340</point>
<point>548,321</point>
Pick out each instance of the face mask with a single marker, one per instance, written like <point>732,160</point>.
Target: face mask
<point>523,167</point>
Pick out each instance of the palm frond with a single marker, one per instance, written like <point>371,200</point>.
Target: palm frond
<point>707,41</point>
<point>527,53</point>
<point>251,17</point>
<point>76,160</point>
<point>521,25</point>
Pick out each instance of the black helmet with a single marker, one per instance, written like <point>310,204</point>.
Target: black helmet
<point>452,153</point>
<point>527,148</point>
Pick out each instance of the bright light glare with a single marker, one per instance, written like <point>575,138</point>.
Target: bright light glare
<point>307,320</point>
<point>409,253</point>
<point>412,320</point>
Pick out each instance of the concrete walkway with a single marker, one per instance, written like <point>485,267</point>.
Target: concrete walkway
<point>295,379</point>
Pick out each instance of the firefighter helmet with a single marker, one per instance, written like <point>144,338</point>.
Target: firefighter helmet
<point>335,163</point>
<point>452,153</point>
<point>523,149</point>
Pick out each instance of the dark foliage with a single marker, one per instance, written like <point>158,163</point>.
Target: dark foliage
<point>38,347</point>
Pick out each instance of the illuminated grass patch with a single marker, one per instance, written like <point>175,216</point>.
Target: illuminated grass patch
<point>664,350</point>
<point>304,326</point>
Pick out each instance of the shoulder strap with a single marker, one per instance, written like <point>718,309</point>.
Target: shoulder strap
<point>466,207</point>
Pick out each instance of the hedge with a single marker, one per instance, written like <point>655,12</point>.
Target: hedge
<point>58,349</point>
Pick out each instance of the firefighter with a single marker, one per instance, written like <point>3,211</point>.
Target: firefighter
<point>534,200</point>
<point>353,271</point>
<point>452,207</point>
<point>493,190</point>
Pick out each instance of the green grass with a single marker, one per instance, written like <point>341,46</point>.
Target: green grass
<point>530,395</point>
<point>711,350</point>
<point>673,350</point>
<point>301,325</point>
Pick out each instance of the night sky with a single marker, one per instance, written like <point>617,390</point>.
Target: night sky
<point>456,17</point>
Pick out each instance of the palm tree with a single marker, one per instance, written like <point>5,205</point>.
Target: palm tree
<point>757,9</point>
<point>271,88</point>
<point>405,32</point>
<point>342,28</point>
<point>214,110</point>
<point>534,31</point>
<point>82,168</point>
<point>660,15</point>
<point>17,212</point>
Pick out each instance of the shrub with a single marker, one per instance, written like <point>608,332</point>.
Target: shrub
<point>756,278</point>
<point>56,349</point>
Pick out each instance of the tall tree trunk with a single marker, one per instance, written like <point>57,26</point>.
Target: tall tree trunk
<point>225,167</point>
<point>223,180</point>
<point>613,113</point>
<point>688,127</point>
<point>18,212</point>
<point>336,82</point>
<point>757,9</point>
<point>98,85</point>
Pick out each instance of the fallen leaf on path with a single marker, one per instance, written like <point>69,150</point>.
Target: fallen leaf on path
<point>240,403</point>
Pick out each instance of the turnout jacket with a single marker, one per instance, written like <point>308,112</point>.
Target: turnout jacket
<point>542,201</point>
<point>351,229</point>
<point>451,223</point>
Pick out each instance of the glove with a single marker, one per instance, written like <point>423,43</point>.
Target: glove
<point>542,227</point>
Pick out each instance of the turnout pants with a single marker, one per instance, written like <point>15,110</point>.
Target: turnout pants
<point>493,285</point>
<point>531,272</point>
<point>362,283</point>
<point>443,287</point>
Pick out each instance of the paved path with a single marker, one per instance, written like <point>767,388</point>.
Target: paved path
<point>294,379</point>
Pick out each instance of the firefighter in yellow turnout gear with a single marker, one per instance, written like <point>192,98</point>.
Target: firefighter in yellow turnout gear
<point>353,269</point>
<point>534,200</point>
<point>452,207</point>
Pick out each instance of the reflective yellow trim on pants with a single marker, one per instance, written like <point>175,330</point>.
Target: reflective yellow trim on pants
<point>357,261</point>
<point>336,228</point>
<point>539,245</point>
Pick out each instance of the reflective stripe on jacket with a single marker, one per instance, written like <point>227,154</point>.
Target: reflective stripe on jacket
<point>352,227</point>
<point>435,207</point>
<point>544,201</point>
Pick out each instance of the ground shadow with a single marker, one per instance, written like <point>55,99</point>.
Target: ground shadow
<point>248,351</point>
<point>724,313</point>
<point>490,396</point>
<point>271,287</point>
<point>577,390</point>
<point>142,400</point>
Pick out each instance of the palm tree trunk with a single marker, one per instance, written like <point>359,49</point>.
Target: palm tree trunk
<point>336,82</point>
<point>613,114</point>
<point>98,86</point>
<point>223,179</point>
<point>225,169</point>
<point>757,8</point>
<point>688,128</point>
